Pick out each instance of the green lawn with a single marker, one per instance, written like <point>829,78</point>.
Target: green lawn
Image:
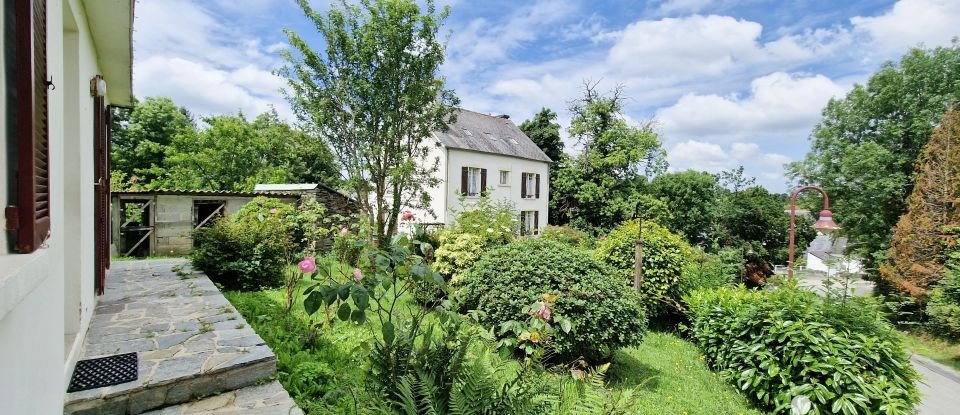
<point>938,350</point>
<point>666,373</point>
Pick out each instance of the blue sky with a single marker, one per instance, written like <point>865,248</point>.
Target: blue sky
<point>728,83</point>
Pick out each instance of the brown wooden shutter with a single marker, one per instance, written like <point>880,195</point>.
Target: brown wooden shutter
<point>523,224</point>
<point>523,185</point>
<point>101,191</point>
<point>463,181</point>
<point>538,186</point>
<point>536,221</point>
<point>30,216</point>
<point>483,182</point>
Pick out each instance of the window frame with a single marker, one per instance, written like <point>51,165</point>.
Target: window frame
<point>505,178</point>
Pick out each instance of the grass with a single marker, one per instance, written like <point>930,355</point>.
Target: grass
<point>324,370</point>
<point>669,376</point>
<point>941,351</point>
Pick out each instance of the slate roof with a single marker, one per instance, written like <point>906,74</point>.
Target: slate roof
<point>489,134</point>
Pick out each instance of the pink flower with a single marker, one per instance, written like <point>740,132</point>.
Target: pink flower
<point>357,275</point>
<point>540,310</point>
<point>344,231</point>
<point>308,265</point>
<point>407,216</point>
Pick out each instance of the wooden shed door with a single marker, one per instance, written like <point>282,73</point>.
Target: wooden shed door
<point>101,204</point>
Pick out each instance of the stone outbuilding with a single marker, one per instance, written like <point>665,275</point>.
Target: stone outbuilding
<point>160,222</point>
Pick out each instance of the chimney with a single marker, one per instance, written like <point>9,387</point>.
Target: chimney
<point>504,116</point>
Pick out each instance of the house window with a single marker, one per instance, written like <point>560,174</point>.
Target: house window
<point>529,222</point>
<point>473,181</point>
<point>504,177</point>
<point>530,186</point>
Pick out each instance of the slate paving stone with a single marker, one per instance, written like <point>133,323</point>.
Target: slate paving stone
<point>189,346</point>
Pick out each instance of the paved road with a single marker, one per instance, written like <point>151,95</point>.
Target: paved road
<point>940,387</point>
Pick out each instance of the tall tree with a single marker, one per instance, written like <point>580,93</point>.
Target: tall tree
<point>140,137</point>
<point>692,197</point>
<point>932,222</point>
<point>545,133</point>
<point>865,147</point>
<point>374,94</point>
<point>599,187</point>
<point>232,153</point>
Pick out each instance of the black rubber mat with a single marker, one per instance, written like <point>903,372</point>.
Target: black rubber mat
<point>104,371</point>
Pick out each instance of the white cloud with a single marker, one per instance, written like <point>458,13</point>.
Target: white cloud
<point>710,157</point>
<point>206,90</point>
<point>185,52</point>
<point>778,102</point>
<point>910,22</point>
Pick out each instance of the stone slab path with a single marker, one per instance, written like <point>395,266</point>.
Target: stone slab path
<point>190,341</point>
<point>268,399</point>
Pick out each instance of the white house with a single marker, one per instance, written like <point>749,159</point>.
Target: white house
<point>827,255</point>
<point>486,154</point>
<point>65,63</point>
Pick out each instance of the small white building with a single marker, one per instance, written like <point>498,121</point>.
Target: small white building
<point>489,155</point>
<point>828,255</point>
<point>67,62</point>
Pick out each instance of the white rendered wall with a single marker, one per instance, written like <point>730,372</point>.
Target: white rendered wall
<point>457,159</point>
<point>46,297</point>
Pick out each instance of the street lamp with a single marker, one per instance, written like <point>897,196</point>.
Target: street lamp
<point>824,224</point>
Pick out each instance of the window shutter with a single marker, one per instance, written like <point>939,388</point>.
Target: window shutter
<point>523,224</point>
<point>538,186</point>
<point>463,181</point>
<point>101,191</point>
<point>483,182</point>
<point>536,221</point>
<point>523,185</point>
<point>30,217</point>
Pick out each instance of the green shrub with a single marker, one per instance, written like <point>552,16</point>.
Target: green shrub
<point>304,223</point>
<point>606,314</point>
<point>664,257</point>
<point>568,235</point>
<point>943,307</point>
<point>243,255</point>
<point>775,345</point>
<point>707,271</point>
<point>494,221</point>
<point>456,253</point>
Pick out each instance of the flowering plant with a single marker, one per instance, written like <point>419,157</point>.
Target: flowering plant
<point>533,337</point>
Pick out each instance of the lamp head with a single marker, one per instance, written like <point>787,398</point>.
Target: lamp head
<point>826,224</point>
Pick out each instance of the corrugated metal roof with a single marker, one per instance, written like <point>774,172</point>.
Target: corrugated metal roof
<point>272,187</point>
<point>175,192</point>
<point>489,134</point>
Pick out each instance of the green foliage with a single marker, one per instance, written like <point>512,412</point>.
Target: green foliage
<point>568,235</point>
<point>483,225</point>
<point>317,370</point>
<point>140,137</point>
<point>604,312</point>
<point>545,133</point>
<point>865,147</point>
<point>943,306</point>
<point>753,216</point>
<point>304,223</point>
<point>372,91</point>
<point>691,197</point>
<point>595,189</point>
<point>245,255</point>
<point>930,228</point>
<point>457,252</point>
<point>775,345</point>
<point>232,153</point>
<point>664,257</point>
<point>704,271</point>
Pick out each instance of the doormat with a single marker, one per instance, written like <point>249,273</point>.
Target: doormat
<point>104,371</point>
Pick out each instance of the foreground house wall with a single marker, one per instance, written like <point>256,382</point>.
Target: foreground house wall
<point>47,296</point>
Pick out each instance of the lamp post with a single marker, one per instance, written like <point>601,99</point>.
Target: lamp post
<point>824,224</point>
